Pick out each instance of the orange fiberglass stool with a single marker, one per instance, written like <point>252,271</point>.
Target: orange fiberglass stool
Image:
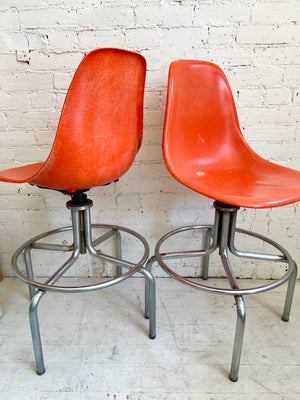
<point>205,150</point>
<point>98,136</point>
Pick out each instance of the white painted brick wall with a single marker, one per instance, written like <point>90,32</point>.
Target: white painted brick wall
<point>41,43</point>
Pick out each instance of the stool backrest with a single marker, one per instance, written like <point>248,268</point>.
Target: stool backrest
<point>101,124</point>
<point>201,123</point>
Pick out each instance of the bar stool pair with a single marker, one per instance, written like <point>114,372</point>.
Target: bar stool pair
<point>98,136</point>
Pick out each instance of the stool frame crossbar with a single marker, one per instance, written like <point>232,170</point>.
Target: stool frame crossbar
<point>221,236</point>
<point>82,243</point>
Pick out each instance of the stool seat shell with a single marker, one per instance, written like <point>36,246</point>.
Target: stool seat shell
<point>205,150</point>
<point>100,128</point>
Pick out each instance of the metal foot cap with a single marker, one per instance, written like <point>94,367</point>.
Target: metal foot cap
<point>233,379</point>
<point>41,373</point>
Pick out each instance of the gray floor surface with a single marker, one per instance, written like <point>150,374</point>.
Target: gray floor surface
<point>96,345</point>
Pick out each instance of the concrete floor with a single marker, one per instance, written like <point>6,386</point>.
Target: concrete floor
<point>96,346</point>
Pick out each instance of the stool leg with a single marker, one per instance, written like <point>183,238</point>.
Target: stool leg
<point>208,237</point>
<point>118,251</point>
<point>150,299</point>
<point>28,264</point>
<point>148,267</point>
<point>238,340</point>
<point>35,332</point>
<point>290,294</point>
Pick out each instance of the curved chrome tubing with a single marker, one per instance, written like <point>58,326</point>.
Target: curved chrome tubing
<point>221,236</point>
<point>82,243</point>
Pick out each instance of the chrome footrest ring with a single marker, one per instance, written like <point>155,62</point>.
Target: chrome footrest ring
<point>160,257</point>
<point>32,243</point>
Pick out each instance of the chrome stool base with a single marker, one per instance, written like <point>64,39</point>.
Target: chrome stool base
<point>82,243</point>
<point>221,236</point>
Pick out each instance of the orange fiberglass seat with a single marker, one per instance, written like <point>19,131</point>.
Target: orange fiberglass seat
<point>205,150</point>
<point>101,125</point>
<point>98,136</point>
